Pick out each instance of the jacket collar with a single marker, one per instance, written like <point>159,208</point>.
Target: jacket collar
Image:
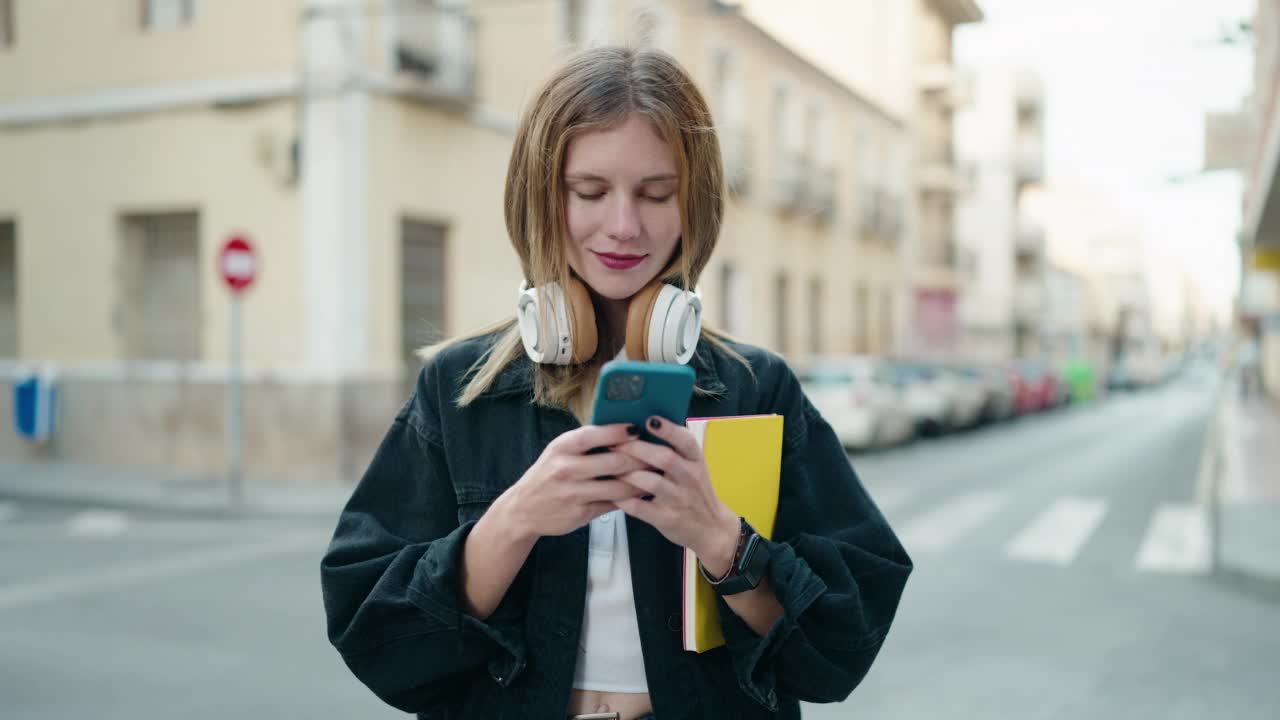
<point>517,377</point>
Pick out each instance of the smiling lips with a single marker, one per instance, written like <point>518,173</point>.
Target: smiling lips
<point>614,261</point>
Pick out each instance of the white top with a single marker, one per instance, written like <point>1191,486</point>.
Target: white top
<point>609,656</point>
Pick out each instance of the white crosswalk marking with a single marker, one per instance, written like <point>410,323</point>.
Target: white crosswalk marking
<point>1057,534</point>
<point>7,510</point>
<point>943,525</point>
<point>97,523</point>
<point>1177,541</point>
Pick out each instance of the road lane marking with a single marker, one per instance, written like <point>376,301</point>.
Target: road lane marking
<point>8,510</point>
<point>1177,541</point>
<point>942,526</point>
<point>146,532</point>
<point>111,577</point>
<point>97,524</point>
<point>1057,535</point>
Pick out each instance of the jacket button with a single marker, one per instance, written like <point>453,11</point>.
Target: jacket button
<point>673,622</point>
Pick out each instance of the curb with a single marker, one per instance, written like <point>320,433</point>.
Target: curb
<point>1261,585</point>
<point>204,498</point>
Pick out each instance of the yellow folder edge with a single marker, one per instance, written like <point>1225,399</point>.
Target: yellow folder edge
<point>744,459</point>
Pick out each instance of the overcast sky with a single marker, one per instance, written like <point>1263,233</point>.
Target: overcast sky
<point>1127,85</point>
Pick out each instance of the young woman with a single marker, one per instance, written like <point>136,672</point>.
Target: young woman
<point>482,570</point>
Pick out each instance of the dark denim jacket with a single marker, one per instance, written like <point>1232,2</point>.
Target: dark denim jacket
<point>391,574</point>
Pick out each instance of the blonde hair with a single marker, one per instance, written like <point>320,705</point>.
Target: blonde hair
<point>596,90</point>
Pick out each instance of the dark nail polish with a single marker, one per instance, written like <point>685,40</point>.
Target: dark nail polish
<point>655,423</point>
<point>633,429</point>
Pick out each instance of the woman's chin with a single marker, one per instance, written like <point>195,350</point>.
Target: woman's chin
<point>617,289</point>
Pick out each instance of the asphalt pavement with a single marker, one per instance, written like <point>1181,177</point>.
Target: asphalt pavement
<point>1062,572</point>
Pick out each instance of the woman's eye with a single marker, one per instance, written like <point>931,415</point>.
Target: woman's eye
<point>659,199</point>
<point>590,196</point>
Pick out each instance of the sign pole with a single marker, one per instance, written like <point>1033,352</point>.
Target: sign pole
<point>235,454</point>
<point>238,265</point>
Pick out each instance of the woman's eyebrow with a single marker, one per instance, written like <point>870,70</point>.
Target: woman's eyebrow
<point>596,178</point>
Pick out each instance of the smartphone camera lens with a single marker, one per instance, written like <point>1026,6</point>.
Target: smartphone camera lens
<point>624,387</point>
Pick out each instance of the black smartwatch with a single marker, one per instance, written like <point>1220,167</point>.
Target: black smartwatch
<point>749,564</point>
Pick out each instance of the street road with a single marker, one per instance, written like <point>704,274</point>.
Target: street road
<point>1062,572</point>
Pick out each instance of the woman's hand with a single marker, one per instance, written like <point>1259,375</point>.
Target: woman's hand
<point>685,508</point>
<point>560,492</point>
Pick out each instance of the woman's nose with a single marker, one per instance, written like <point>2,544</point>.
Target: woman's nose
<point>623,222</point>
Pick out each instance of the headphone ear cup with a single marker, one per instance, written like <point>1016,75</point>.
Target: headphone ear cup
<point>676,325</point>
<point>582,316</point>
<point>639,316</point>
<point>536,331</point>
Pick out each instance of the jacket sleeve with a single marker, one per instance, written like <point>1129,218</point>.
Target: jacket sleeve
<point>390,577</point>
<point>836,567</point>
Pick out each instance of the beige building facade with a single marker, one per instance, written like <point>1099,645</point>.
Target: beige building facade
<point>936,284</point>
<point>362,147</point>
<point>1001,252</point>
<point>1260,292</point>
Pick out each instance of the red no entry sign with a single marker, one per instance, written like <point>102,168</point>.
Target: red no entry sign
<point>237,263</point>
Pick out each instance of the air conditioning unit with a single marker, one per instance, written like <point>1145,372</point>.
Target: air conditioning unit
<point>434,51</point>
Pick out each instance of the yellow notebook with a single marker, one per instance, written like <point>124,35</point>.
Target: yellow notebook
<point>744,457</point>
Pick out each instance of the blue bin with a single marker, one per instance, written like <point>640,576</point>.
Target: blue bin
<point>34,397</point>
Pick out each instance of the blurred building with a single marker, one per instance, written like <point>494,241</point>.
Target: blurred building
<point>362,146</point>
<point>1260,288</point>
<point>936,281</point>
<point>1064,330</point>
<point>1001,244</point>
<point>1093,256</point>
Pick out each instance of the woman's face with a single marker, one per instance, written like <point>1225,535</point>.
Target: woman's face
<point>622,208</point>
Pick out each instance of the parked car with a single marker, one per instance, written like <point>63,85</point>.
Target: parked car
<point>968,396</point>
<point>930,405</point>
<point>1122,375</point>
<point>1037,387</point>
<point>860,399</point>
<point>1000,394</point>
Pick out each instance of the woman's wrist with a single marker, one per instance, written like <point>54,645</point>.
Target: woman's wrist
<point>721,547</point>
<point>512,527</point>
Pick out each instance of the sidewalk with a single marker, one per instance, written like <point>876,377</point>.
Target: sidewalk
<point>60,481</point>
<point>1247,492</point>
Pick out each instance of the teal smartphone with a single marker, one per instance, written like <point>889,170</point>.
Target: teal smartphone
<point>631,392</point>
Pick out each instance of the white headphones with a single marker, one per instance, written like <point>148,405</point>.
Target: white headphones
<point>664,323</point>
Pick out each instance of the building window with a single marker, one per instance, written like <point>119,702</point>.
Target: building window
<point>650,26</point>
<point>815,315</point>
<point>781,118</point>
<point>168,14</point>
<point>422,288</point>
<point>732,299</point>
<point>8,290</point>
<point>7,33</point>
<point>862,318</point>
<point>574,21</point>
<point>721,60</point>
<point>159,275</point>
<point>886,322</point>
<point>780,312</point>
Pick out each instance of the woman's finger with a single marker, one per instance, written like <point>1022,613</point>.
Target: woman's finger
<point>590,437</point>
<point>607,464</point>
<point>677,435</point>
<point>649,512</point>
<point>649,483</point>
<point>652,454</point>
